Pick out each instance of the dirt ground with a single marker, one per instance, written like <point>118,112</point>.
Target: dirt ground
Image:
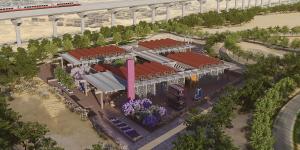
<point>65,127</point>
<point>237,133</point>
<point>256,48</point>
<point>271,20</point>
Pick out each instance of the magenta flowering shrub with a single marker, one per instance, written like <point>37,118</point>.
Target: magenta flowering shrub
<point>143,110</point>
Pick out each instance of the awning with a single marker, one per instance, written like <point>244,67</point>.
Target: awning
<point>72,60</point>
<point>106,82</point>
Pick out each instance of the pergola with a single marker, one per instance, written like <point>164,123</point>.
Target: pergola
<point>143,86</point>
<point>105,82</point>
<point>165,46</point>
<point>193,59</point>
<point>89,56</point>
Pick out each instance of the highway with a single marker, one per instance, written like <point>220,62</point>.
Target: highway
<point>84,8</point>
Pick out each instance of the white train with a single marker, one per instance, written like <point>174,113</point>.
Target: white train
<point>22,7</point>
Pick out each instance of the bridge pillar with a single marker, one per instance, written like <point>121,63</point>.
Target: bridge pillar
<point>201,2</point>
<point>256,2</point>
<point>249,4</point>
<point>133,11</point>
<point>82,16</point>
<point>168,10</point>
<point>183,4</point>
<point>17,23</point>
<point>243,4</point>
<point>112,16</point>
<point>54,20</point>
<point>153,9</point>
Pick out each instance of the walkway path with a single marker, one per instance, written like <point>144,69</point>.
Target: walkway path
<point>163,137</point>
<point>284,125</point>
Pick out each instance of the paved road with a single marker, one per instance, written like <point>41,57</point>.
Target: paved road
<point>284,125</point>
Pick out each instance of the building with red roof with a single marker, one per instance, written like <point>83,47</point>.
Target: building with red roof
<point>103,51</point>
<point>193,59</point>
<point>143,71</point>
<point>164,45</point>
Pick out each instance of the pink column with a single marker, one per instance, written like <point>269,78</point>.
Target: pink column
<point>130,79</point>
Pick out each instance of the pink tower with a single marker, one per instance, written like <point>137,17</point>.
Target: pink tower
<point>130,79</point>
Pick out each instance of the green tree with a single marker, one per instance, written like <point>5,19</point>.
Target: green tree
<point>106,32</point>
<point>67,36</point>
<point>100,40</point>
<point>212,18</point>
<point>117,38</point>
<point>77,41</point>
<point>87,33</point>
<point>295,44</point>
<point>8,121</point>
<point>139,31</point>
<point>285,30</point>
<point>57,41</point>
<point>67,44</point>
<point>25,65</point>
<point>284,41</point>
<point>296,30</point>
<point>51,49</point>
<point>86,42</point>
<point>34,52</point>
<point>128,35</point>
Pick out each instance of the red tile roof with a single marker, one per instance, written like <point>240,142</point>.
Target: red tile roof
<point>194,59</point>
<point>145,70</point>
<point>86,53</point>
<point>99,68</point>
<point>162,43</point>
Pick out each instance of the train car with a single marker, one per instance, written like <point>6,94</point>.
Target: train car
<point>37,6</point>
<point>8,9</point>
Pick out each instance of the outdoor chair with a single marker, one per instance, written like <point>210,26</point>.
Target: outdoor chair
<point>125,129</point>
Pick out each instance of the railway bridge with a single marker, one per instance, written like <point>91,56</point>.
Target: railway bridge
<point>82,10</point>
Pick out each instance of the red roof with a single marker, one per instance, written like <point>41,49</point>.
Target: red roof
<point>96,52</point>
<point>99,68</point>
<point>145,70</point>
<point>162,43</point>
<point>194,59</point>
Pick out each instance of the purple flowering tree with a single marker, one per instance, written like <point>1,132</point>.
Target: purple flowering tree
<point>143,110</point>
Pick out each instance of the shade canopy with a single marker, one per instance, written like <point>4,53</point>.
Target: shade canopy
<point>106,82</point>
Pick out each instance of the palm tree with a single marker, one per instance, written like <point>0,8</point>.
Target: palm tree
<point>227,4</point>
<point>243,4</point>
<point>279,2</point>
<point>261,3</point>
<point>256,1</point>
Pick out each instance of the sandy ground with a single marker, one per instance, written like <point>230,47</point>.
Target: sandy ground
<point>31,30</point>
<point>271,20</point>
<point>237,133</point>
<point>256,48</point>
<point>65,127</point>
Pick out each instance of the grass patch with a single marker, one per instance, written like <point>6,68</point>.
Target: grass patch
<point>297,130</point>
